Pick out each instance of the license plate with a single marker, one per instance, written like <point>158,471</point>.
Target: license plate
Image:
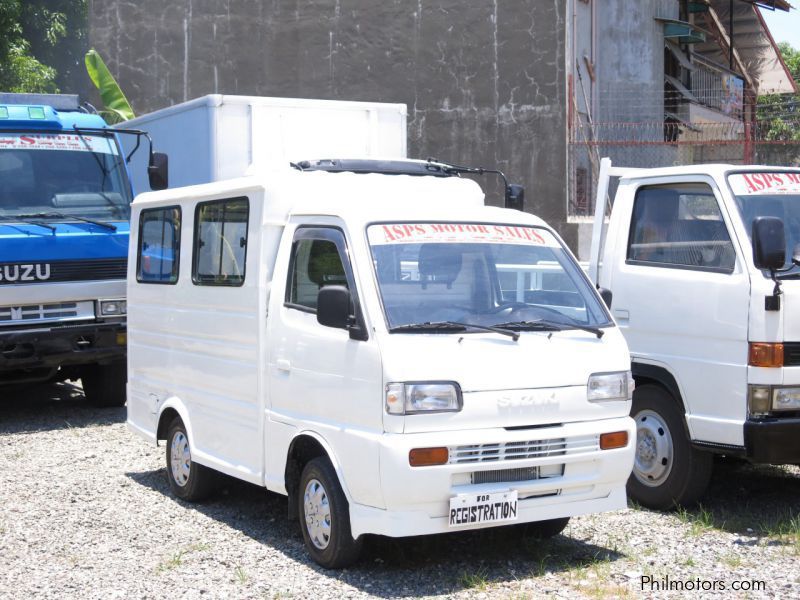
<point>475,509</point>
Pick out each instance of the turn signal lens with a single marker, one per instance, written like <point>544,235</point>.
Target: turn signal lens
<point>426,457</point>
<point>763,354</point>
<point>617,439</point>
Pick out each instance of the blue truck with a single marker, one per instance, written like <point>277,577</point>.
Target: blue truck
<point>65,197</point>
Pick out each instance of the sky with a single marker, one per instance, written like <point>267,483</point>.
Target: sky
<point>785,27</point>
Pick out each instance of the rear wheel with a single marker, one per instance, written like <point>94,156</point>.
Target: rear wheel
<point>104,385</point>
<point>188,480</point>
<point>325,516</point>
<point>667,470</point>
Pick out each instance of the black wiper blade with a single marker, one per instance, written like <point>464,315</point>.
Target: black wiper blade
<point>24,219</point>
<point>543,324</point>
<point>58,215</point>
<point>452,326</point>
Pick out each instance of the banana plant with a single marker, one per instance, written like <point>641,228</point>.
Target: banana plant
<point>116,105</point>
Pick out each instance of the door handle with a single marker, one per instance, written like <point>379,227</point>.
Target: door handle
<point>283,365</point>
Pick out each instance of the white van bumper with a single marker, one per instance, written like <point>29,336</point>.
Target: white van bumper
<point>577,477</point>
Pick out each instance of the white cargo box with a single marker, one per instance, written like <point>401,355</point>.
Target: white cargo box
<point>219,137</point>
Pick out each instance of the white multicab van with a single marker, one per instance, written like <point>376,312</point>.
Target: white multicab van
<point>385,350</point>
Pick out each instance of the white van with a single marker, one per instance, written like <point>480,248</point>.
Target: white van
<point>379,346</point>
<point>702,263</point>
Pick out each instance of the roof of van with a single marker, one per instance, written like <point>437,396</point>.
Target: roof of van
<point>354,197</point>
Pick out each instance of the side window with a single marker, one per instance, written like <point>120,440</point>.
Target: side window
<point>316,262</point>
<point>158,256</point>
<point>680,225</point>
<point>220,242</point>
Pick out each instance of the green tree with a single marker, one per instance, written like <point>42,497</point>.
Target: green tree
<point>779,114</point>
<point>35,35</point>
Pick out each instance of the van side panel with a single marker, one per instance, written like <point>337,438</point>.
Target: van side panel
<point>199,344</point>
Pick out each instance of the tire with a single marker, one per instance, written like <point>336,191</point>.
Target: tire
<point>187,479</point>
<point>667,471</point>
<point>104,385</point>
<point>324,516</point>
<point>544,530</point>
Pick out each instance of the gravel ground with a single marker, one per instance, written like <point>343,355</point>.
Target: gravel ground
<point>85,511</point>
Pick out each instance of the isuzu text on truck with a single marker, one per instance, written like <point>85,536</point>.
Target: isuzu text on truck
<point>371,340</point>
<point>64,208</point>
<point>702,265</point>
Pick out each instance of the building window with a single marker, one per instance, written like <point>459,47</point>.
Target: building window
<point>158,256</point>
<point>680,225</point>
<point>220,242</point>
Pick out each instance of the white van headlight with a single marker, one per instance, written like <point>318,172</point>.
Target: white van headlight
<point>113,308</point>
<point>786,398</point>
<point>610,386</point>
<point>423,397</point>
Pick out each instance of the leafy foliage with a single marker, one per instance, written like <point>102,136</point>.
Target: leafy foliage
<point>117,107</point>
<point>35,35</point>
<point>779,114</point>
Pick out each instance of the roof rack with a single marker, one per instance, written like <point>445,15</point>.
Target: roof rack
<point>61,102</point>
<point>384,167</point>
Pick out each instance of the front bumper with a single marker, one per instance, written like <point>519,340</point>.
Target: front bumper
<point>418,498</point>
<point>773,441</point>
<point>36,354</point>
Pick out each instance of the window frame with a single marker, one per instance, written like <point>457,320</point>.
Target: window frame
<point>195,239</point>
<point>680,266</point>
<point>176,246</point>
<point>328,233</point>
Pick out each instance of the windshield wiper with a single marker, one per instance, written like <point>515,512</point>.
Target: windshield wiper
<point>452,326</point>
<point>58,215</point>
<point>543,324</point>
<point>23,219</point>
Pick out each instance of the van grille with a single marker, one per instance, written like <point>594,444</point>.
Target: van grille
<point>514,475</point>
<point>791,354</point>
<point>478,453</point>
<point>44,313</point>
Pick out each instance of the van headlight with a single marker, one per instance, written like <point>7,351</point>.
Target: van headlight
<point>610,386</point>
<point>113,308</point>
<point>423,397</point>
<point>786,398</point>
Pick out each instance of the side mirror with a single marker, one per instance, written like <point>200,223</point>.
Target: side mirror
<point>333,306</point>
<point>769,243</point>
<point>158,171</point>
<point>515,197</point>
<point>606,295</point>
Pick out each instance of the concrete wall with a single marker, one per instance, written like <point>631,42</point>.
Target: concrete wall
<point>484,81</point>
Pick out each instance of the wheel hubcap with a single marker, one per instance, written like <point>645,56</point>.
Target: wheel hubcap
<point>180,459</point>
<point>317,513</point>
<point>654,449</point>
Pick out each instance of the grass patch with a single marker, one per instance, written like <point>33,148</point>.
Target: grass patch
<point>241,574</point>
<point>699,520</point>
<point>477,580</point>
<point>734,561</point>
<point>176,559</point>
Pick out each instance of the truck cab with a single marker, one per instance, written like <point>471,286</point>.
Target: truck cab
<point>701,263</point>
<point>64,223</point>
<point>381,347</point>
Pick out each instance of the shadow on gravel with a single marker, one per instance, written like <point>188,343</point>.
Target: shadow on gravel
<point>759,502</point>
<point>407,567</point>
<point>51,406</point>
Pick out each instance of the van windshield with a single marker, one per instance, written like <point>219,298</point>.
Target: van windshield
<point>770,194</point>
<point>480,274</point>
<point>62,177</point>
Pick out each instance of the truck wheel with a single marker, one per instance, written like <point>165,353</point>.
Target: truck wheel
<point>325,516</point>
<point>188,480</point>
<point>667,470</point>
<point>104,385</point>
<point>544,530</point>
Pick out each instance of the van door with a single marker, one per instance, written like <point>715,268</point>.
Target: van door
<point>681,295</point>
<point>320,379</point>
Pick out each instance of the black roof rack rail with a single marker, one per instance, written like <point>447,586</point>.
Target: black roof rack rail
<point>384,167</point>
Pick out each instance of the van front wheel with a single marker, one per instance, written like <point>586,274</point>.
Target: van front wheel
<point>667,470</point>
<point>325,516</point>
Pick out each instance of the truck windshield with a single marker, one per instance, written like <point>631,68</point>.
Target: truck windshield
<point>62,177</point>
<point>770,194</point>
<point>443,277</point>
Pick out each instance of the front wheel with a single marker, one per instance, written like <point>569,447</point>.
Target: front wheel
<point>325,516</point>
<point>667,470</point>
<point>187,479</point>
<point>104,385</point>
